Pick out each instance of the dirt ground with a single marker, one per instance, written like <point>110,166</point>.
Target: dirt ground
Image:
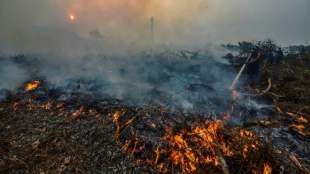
<point>39,135</point>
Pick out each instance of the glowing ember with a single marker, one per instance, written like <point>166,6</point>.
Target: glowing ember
<point>251,145</point>
<point>201,146</point>
<point>302,119</point>
<point>78,113</point>
<point>246,133</point>
<point>300,129</point>
<point>299,118</point>
<point>32,85</point>
<point>291,114</point>
<point>117,115</point>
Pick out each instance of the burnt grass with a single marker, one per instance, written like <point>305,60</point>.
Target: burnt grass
<point>41,135</point>
<point>52,141</point>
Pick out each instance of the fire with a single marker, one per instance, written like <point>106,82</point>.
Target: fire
<point>299,118</point>
<point>78,113</point>
<point>246,133</point>
<point>32,85</point>
<point>267,169</point>
<point>302,119</point>
<point>201,146</point>
<point>179,141</point>
<point>251,145</point>
<point>300,129</point>
<point>116,116</point>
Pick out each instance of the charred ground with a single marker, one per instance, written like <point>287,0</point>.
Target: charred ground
<point>83,134</point>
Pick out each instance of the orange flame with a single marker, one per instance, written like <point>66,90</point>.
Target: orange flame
<point>267,169</point>
<point>78,113</point>
<point>298,117</point>
<point>189,149</point>
<point>116,116</point>
<point>187,157</point>
<point>32,85</point>
<point>300,129</point>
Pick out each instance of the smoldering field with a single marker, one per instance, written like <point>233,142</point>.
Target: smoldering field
<point>108,51</point>
<point>102,82</point>
<point>43,27</point>
<point>170,79</point>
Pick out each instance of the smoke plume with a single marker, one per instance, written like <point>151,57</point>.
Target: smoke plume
<point>108,48</point>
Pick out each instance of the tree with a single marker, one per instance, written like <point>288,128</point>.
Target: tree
<point>246,47</point>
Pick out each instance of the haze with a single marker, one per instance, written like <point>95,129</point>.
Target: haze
<point>30,26</point>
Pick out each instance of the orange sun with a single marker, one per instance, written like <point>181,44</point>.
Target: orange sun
<point>72,17</point>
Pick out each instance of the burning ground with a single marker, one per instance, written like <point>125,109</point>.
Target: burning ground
<point>51,129</point>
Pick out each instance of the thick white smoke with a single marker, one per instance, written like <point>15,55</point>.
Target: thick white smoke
<point>103,43</point>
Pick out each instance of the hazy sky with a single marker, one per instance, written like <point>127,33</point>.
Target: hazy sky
<point>30,24</point>
<point>287,21</point>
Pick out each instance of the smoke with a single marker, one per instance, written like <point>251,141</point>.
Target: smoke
<point>11,77</point>
<point>35,26</point>
<point>167,78</point>
<point>108,48</point>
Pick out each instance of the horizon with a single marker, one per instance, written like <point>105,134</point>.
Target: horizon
<point>127,23</point>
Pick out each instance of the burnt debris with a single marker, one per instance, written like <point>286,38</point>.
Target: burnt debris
<point>73,128</point>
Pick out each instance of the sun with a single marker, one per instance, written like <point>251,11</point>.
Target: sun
<point>72,17</point>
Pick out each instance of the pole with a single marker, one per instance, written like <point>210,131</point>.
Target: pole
<point>234,83</point>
